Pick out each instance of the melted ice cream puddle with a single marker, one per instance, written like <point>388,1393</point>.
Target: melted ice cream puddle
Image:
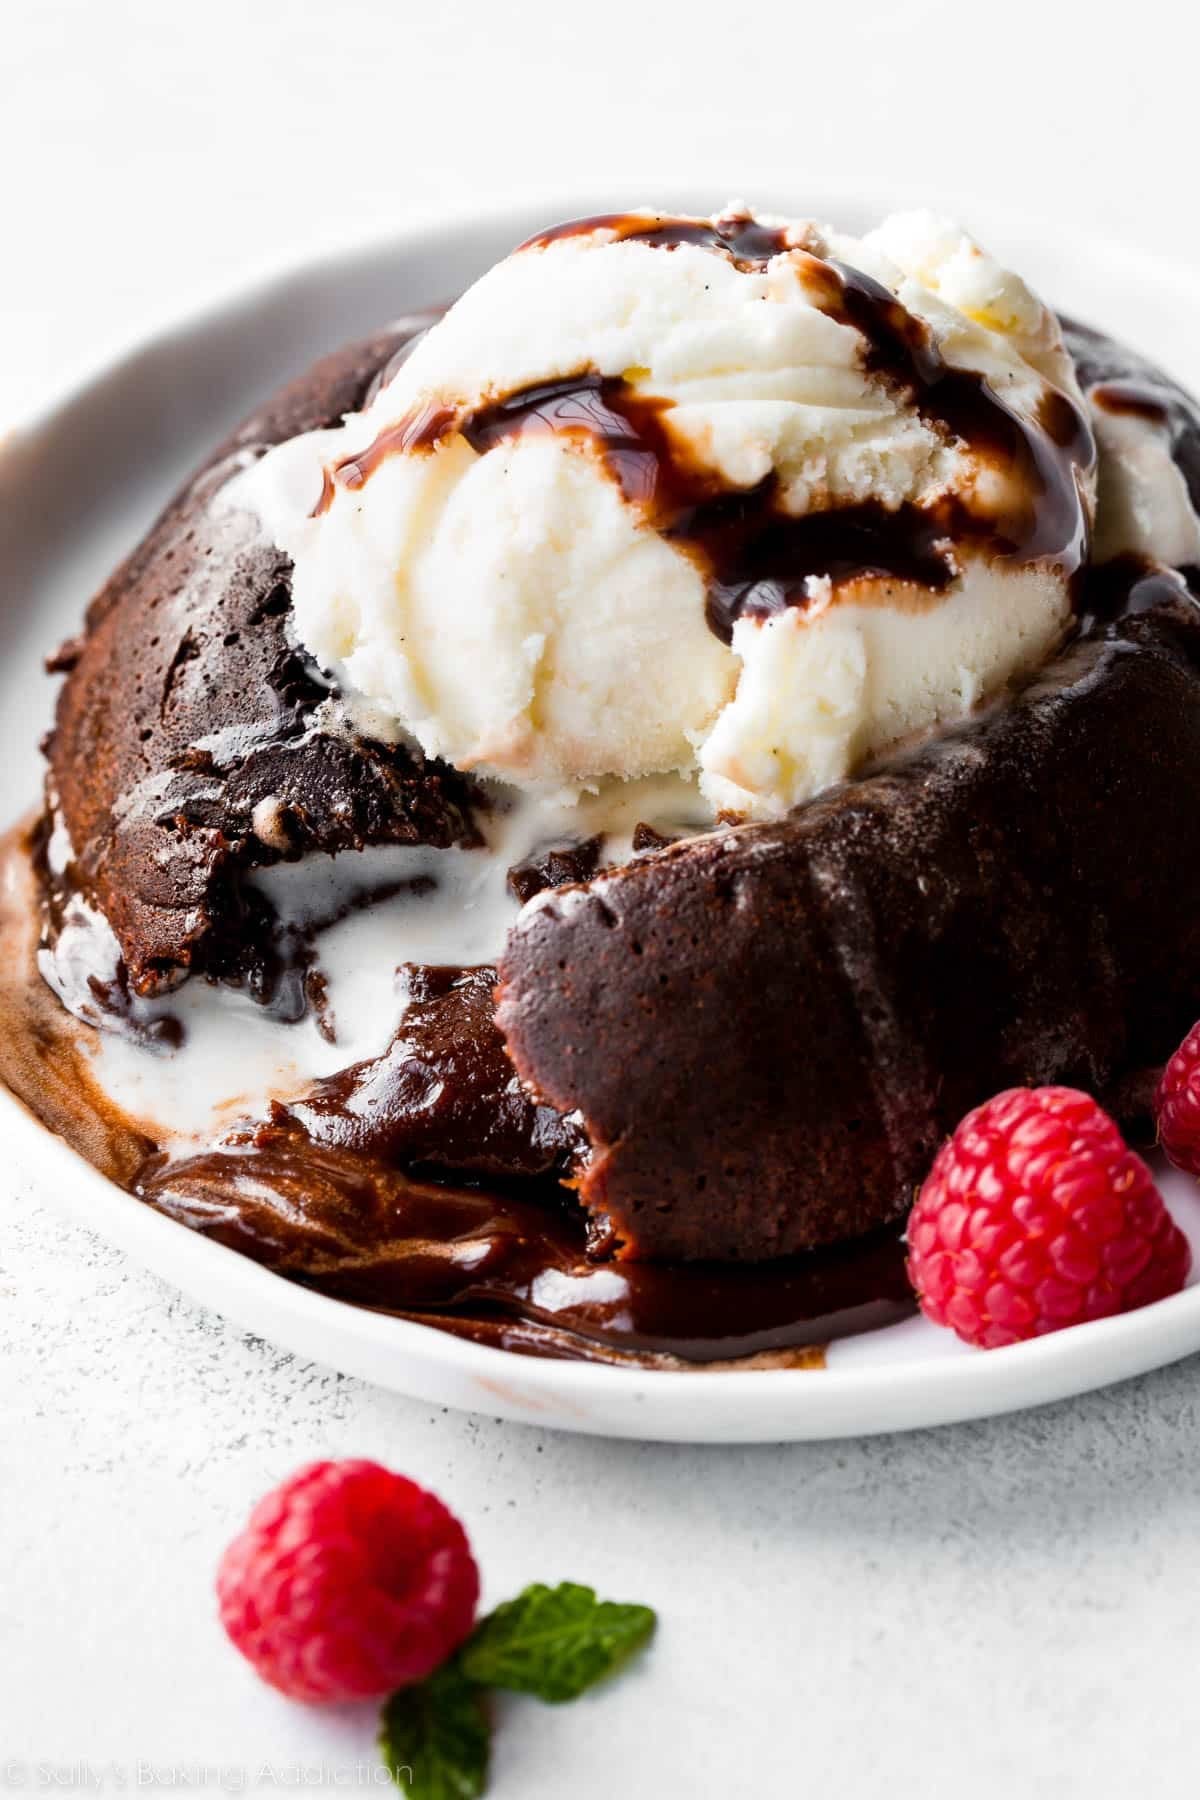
<point>398,905</point>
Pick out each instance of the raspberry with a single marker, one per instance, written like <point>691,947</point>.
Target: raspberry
<point>1037,1215</point>
<point>347,1582</point>
<point>1177,1105</point>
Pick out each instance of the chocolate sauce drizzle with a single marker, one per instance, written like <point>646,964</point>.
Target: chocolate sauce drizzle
<point>747,242</point>
<point>1137,399</point>
<point>1119,381</point>
<point>757,558</point>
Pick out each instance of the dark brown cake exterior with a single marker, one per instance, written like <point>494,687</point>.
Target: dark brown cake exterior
<point>768,1031</point>
<point>185,709</point>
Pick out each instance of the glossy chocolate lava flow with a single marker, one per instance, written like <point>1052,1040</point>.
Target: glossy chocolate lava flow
<point>315,1192</point>
<point>758,558</point>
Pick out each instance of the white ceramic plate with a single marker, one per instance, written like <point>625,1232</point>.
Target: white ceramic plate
<point>79,484</point>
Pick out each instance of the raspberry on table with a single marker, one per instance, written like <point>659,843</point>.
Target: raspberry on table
<point>1037,1215</point>
<point>348,1581</point>
<point>1177,1105</point>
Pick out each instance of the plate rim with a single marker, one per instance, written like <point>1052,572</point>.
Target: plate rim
<point>732,1406</point>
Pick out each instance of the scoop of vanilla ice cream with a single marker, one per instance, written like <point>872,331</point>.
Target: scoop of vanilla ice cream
<point>520,614</point>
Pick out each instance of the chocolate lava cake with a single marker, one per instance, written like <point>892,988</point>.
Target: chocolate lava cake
<point>730,1050</point>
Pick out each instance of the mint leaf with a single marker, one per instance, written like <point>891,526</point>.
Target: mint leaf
<point>554,1642</point>
<point>434,1737</point>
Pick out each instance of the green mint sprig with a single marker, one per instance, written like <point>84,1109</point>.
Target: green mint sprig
<point>552,1642</point>
<point>435,1737</point>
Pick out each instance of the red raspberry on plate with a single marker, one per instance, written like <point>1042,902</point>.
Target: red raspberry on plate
<point>1177,1105</point>
<point>1035,1215</point>
<point>347,1582</point>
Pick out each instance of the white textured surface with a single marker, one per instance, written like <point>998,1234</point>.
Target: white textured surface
<point>983,1609</point>
<point>1005,1609</point>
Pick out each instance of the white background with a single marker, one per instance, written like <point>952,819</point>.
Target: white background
<point>1007,1609</point>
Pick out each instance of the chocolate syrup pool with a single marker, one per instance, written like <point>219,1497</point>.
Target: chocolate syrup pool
<point>503,1262</point>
